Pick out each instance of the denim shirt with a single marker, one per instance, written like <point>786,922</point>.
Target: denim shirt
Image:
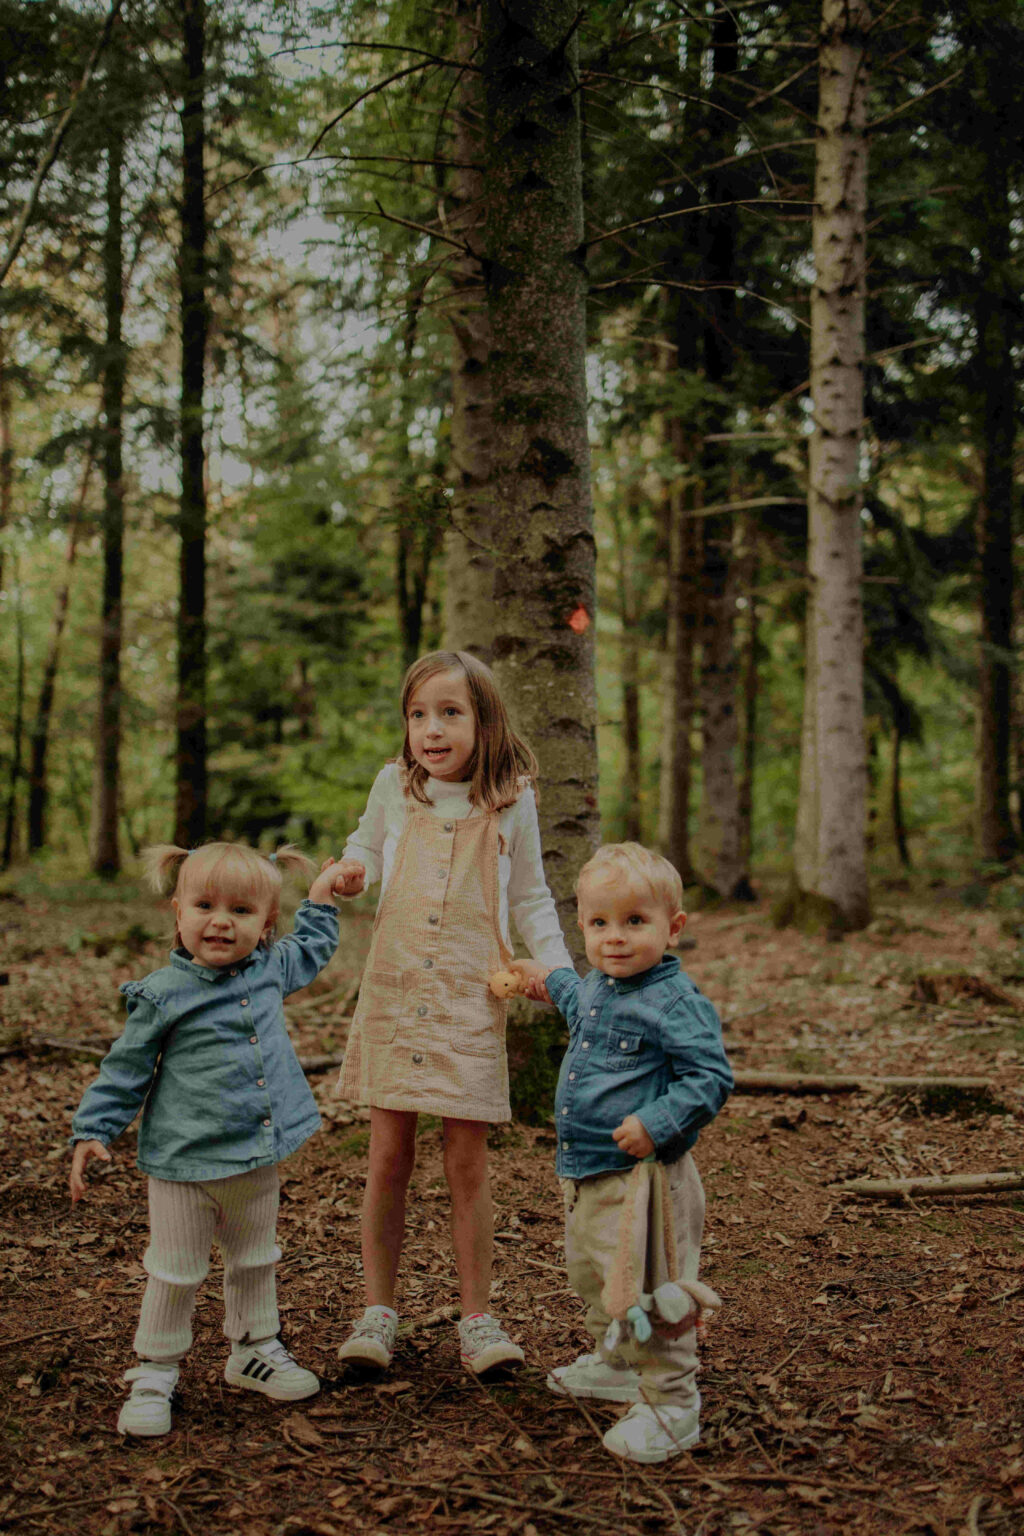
<point>206,1053</point>
<point>647,1045</point>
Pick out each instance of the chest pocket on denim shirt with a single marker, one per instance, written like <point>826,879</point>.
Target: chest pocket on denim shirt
<point>623,1050</point>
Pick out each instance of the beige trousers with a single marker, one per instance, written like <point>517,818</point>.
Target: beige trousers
<point>593,1208</point>
<point>240,1213</point>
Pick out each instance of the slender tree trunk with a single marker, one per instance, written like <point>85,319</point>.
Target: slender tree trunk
<point>6,450</point>
<point>629,677</point>
<point>749,565</point>
<point>543,649</point>
<point>191,766</point>
<point>721,856</point>
<point>105,849</point>
<point>39,737</point>
<point>684,542</point>
<point>896,799</point>
<point>831,854</point>
<point>17,731</point>
<point>995,520</point>
<point>469,615</point>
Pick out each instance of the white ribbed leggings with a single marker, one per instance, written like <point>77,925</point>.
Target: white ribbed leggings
<point>240,1213</point>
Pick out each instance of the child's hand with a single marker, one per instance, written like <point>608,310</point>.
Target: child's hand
<point>79,1157</point>
<point>631,1136</point>
<point>347,877</point>
<point>534,976</point>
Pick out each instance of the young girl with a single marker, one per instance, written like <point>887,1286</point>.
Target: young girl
<point>450,829</point>
<point>206,1054</point>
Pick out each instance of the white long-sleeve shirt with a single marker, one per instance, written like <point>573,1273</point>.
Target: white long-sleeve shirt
<point>522,889</point>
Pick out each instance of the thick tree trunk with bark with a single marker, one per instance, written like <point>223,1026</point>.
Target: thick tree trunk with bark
<point>831,854</point>
<point>105,850</point>
<point>6,450</point>
<point>469,550</point>
<point>536,280</point>
<point>191,771</point>
<point>997,429</point>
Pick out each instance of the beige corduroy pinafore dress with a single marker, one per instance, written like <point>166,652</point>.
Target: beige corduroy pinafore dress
<point>428,1034</point>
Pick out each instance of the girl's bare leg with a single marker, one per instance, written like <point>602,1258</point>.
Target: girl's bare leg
<point>391,1161</point>
<point>465,1168</point>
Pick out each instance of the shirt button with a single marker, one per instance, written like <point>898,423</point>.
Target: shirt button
<point>244,1002</point>
<point>232,973</point>
<point>449,826</point>
<point>417,1057</point>
<point>428,965</point>
<point>572,1077</point>
<point>565,1111</point>
<point>623,1045</point>
<point>266,1122</point>
<point>586,1045</point>
<point>610,982</point>
<point>422,1010</point>
<point>261,1082</point>
<point>254,1039</point>
<point>433,918</point>
<point>565,1146</point>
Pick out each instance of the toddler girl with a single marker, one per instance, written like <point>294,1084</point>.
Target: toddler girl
<point>206,1054</point>
<point>450,829</point>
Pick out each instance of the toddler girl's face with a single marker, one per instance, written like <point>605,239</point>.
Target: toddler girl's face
<point>442,726</point>
<point>626,928</point>
<point>220,927</point>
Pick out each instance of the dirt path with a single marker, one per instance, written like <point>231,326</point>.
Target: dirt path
<point>866,1374</point>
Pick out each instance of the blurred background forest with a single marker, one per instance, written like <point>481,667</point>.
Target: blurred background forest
<point>234,315</point>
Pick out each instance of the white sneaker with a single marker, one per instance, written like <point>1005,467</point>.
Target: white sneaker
<point>148,1409</point>
<point>485,1344</point>
<point>594,1376</point>
<point>372,1340</point>
<point>654,1431</point>
<point>267,1367</point>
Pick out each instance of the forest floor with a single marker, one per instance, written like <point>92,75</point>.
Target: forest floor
<point>866,1373</point>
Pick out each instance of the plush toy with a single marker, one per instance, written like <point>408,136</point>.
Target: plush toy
<point>643,1291</point>
<point>505,983</point>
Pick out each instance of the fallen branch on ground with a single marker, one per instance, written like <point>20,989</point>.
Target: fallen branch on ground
<point>939,1184</point>
<point>804,1082</point>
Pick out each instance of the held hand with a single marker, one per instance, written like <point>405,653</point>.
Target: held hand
<point>81,1155</point>
<point>631,1136</point>
<point>348,876</point>
<point>534,975</point>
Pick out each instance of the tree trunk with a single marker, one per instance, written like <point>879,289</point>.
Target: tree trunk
<point>683,539</point>
<point>997,430</point>
<point>831,856</point>
<point>543,652</point>
<point>38,790</point>
<point>749,565</point>
<point>629,677</point>
<point>469,615</point>
<point>6,451</point>
<point>105,850</point>
<point>17,731</point>
<point>190,763</point>
<point>899,829</point>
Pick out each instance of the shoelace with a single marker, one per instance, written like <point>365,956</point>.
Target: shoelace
<point>483,1330</point>
<point>376,1326</point>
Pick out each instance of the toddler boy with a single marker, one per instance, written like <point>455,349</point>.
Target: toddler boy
<point>644,1070</point>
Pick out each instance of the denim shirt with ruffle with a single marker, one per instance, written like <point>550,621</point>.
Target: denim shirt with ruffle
<point>206,1055</point>
<point>647,1045</point>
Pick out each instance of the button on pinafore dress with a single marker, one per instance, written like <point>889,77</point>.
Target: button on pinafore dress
<point>428,1034</point>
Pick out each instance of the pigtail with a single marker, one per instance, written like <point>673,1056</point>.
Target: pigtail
<point>160,863</point>
<point>289,858</point>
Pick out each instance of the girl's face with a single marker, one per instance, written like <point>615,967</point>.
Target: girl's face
<point>218,928</point>
<point>442,726</point>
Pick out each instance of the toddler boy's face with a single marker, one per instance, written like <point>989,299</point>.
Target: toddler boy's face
<point>626,928</point>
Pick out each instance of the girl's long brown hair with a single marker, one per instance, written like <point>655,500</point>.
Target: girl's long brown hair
<point>501,762</point>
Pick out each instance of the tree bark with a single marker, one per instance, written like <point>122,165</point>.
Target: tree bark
<point>190,756</point>
<point>629,676</point>
<point>17,733</point>
<point>683,539</point>
<point>6,450</point>
<point>469,615</point>
<point>543,652</point>
<point>937,1184</point>
<point>831,855</point>
<point>105,849</point>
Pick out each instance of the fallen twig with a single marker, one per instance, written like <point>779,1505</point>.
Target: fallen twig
<point>804,1082</point>
<point>945,1184</point>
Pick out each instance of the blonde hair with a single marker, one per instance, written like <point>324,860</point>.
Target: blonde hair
<point>501,763</point>
<point>638,863</point>
<point>231,868</point>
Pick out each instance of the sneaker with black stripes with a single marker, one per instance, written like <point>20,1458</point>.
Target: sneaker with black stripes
<point>267,1367</point>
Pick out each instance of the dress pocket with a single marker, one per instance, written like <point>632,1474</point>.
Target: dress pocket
<point>476,1023</point>
<point>380,1004</point>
